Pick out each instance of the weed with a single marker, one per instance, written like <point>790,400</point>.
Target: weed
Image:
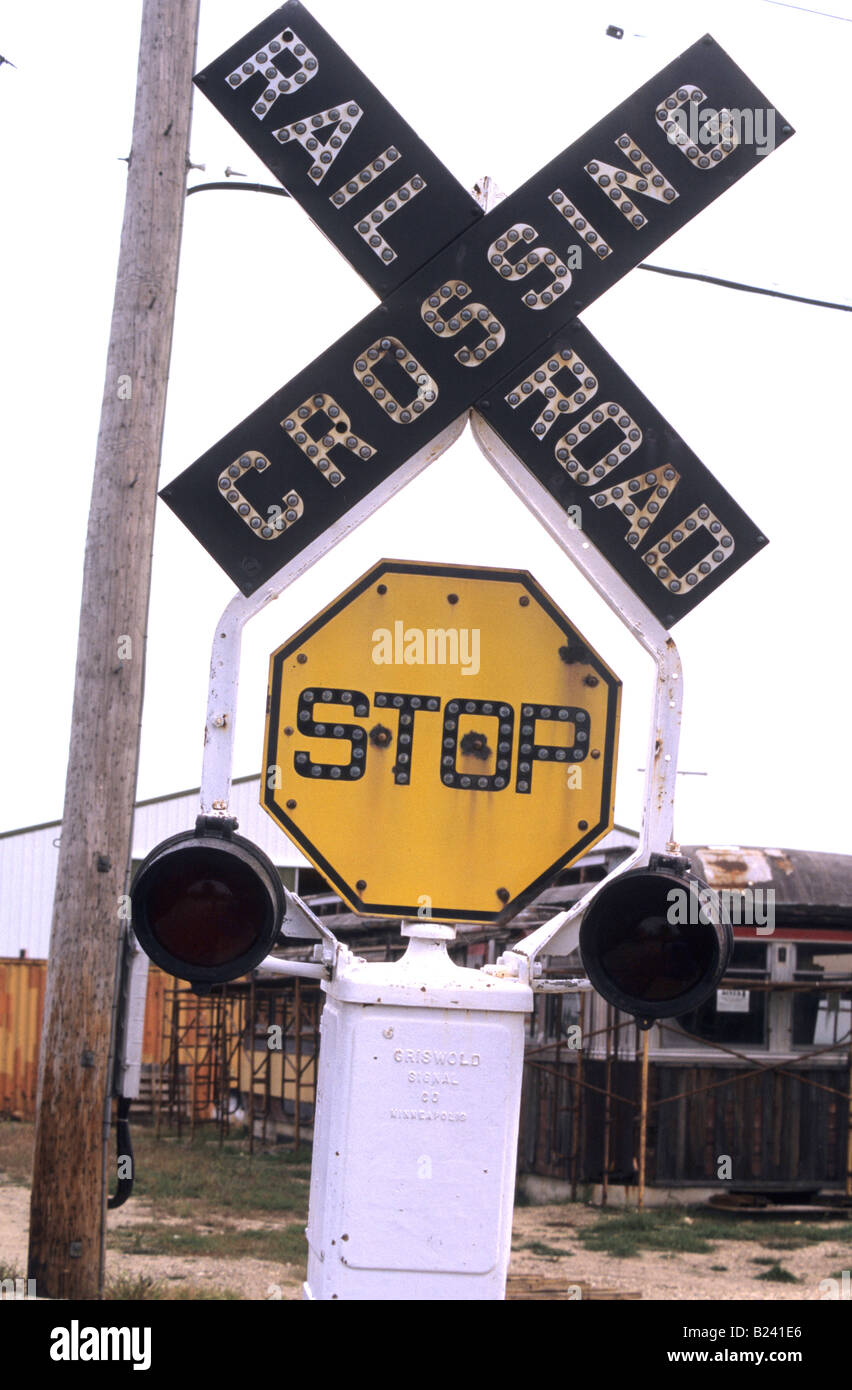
<point>281,1244</point>
<point>175,1176</point>
<point>775,1235</point>
<point>131,1288</point>
<point>778,1275</point>
<point>548,1252</point>
<point>623,1235</point>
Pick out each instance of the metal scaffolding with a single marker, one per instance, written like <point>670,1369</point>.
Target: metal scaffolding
<point>244,1053</point>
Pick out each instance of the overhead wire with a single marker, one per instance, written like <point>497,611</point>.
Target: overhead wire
<point>785,5</point>
<point>749,289</point>
<point>644,265</point>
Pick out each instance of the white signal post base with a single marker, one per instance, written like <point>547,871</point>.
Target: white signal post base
<point>416,1130</point>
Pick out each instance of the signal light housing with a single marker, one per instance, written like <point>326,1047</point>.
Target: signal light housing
<point>639,952</point>
<point>207,905</point>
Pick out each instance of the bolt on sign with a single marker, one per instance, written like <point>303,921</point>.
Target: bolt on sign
<point>440,741</point>
<point>474,310</point>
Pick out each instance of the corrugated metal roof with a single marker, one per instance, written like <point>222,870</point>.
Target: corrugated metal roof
<point>29,858</point>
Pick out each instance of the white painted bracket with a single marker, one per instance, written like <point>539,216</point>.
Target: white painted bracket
<point>219,730</point>
<point>661,766</point>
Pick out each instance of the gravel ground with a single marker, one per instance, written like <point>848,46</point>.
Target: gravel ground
<point>658,1275</point>
<point>250,1278</point>
<point>655,1275</point>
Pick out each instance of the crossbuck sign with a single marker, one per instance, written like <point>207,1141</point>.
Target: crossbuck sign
<point>477,311</point>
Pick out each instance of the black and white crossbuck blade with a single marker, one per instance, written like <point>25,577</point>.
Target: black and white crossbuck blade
<point>477,310</point>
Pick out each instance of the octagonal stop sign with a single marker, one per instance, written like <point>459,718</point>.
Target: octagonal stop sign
<point>440,741</point>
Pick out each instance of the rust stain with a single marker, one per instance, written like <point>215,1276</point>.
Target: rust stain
<point>781,861</point>
<point>735,868</point>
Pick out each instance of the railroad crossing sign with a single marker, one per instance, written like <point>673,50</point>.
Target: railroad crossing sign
<point>440,741</point>
<point>456,329</point>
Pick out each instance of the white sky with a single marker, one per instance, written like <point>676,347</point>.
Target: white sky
<point>758,387</point>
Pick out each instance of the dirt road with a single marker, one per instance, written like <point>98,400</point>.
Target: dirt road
<point>731,1271</point>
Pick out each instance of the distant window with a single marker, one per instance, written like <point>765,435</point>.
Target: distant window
<point>822,1017</point>
<point>735,1015</point>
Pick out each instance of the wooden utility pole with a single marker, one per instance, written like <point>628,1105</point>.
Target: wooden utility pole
<point>67,1213</point>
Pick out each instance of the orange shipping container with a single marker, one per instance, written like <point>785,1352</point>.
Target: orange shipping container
<point>21,1004</point>
<point>22,985</point>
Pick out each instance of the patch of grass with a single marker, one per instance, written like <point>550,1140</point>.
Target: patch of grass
<point>175,1175</point>
<point>131,1288</point>
<point>623,1235</point>
<point>775,1235</point>
<point>720,1269</point>
<point>549,1252</point>
<point>16,1152</point>
<point>764,1260</point>
<point>283,1245</point>
<point>778,1275</point>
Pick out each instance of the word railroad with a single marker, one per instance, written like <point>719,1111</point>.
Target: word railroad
<point>477,311</point>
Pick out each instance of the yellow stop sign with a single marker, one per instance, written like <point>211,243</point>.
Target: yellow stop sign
<point>440,741</point>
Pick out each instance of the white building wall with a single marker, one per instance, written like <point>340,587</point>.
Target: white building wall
<point>29,858</point>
